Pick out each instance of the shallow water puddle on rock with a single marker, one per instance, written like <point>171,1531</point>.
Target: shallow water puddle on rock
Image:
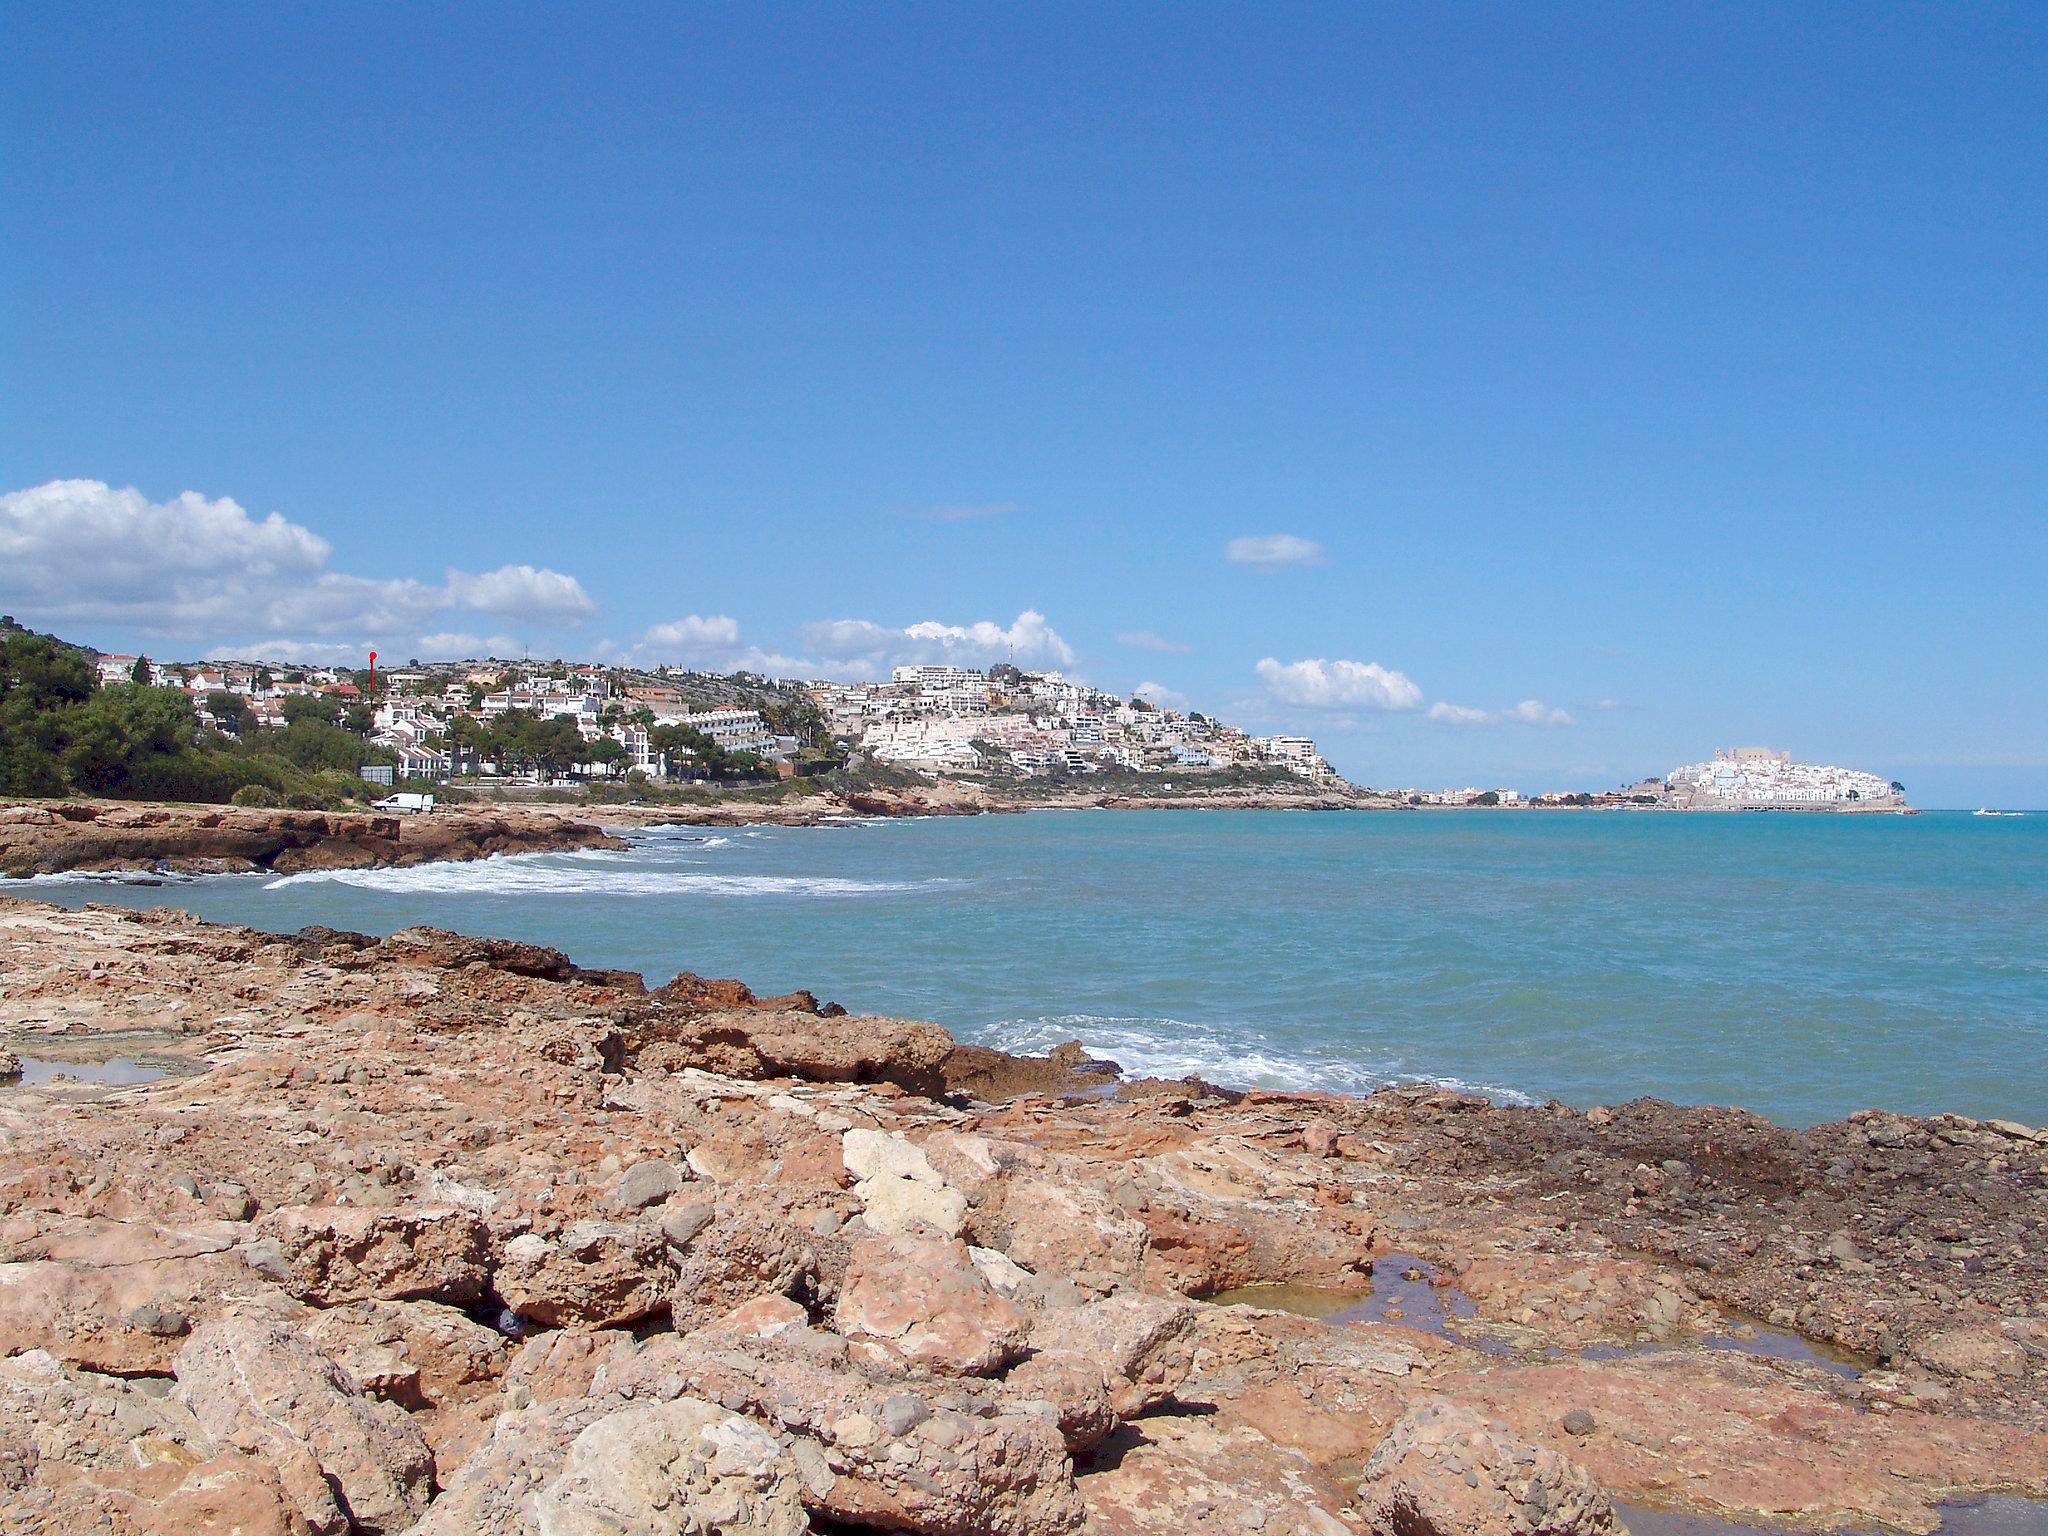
<point>1997,1516</point>
<point>1405,1292</point>
<point>114,1072</point>
<point>1744,1338</point>
<point>1778,1344</point>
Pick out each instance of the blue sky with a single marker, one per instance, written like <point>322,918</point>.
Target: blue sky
<point>1675,373</point>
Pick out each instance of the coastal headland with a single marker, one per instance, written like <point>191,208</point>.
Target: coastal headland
<point>326,1233</point>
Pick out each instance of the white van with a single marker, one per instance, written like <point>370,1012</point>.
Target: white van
<point>410,805</point>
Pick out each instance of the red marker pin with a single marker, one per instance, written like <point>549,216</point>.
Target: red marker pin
<point>373,671</point>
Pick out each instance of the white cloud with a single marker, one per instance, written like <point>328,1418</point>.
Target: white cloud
<point>1270,551</point>
<point>867,647</point>
<point>450,645</point>
<point>1160,694</point>
<point>1536,712</point>
<point>1145,640</point>
<point>522,592</point>
<point>691,636</point>
<point>310,653</point>
<point>1528,712</point>
<point>1322,684</point>
<point>82,552</point>
<point>460,645</point>
<point>1459,714</point>
<point>713,644</point>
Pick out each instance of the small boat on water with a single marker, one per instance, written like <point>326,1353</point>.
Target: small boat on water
<point>1980,811</point>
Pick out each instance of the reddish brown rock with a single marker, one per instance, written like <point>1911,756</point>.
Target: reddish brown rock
<point>918,1300</point>
<point>1444,1471</point>
<point>113,835</point>
<point>382,1253</point>
<point>265,1391</point>
<point>595,1274</point>
<point>879,1454</point>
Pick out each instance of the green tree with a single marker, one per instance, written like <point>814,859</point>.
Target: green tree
<point>116,731</point>
<point>231,712</point>
<point>608,754</point>
<point>139,674</point>
<point>556,746</point>
<point>42,687</point>
<point>310,706</point>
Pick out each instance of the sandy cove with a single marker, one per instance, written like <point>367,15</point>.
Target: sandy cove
<point>449,1235</point>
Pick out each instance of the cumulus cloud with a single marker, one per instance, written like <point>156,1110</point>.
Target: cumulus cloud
<point>1145,640</point>
<point>692,635</point>
<point>522,592</point>
<point>1270,551</point>
<point>82,552</point>
<point>864,647</point>
<point>1459,714</point>
<point>1528,712</point>
<point>1323,684</point>
<point>1536,712</point>
<point>712,644</point>
<point>1160,694</point>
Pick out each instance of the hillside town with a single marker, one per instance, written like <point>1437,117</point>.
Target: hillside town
<point>447,720</point>
<point>1761,778</point>
<point>560,722</point>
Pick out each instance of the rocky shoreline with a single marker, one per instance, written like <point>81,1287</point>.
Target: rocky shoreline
<point>946,797</point>
<point>451,1235</point>
<point>50,837</point>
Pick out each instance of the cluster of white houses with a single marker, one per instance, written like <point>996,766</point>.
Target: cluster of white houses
<point>1761,778</point>
<point>1030,724</point>
<point>935,718</point>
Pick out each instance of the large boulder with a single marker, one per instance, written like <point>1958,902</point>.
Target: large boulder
<point>819,1046</point>
<point>897,1455</point>
<point>899,1189</point>
<point>260,1388</point>
<point>1062,1227</point>
<point>338,1253</point>
<point>1189,1476</point>
<point>415,1353</point>
<point>115,1295</point>
<point>81,1452</point>
<point>677,1468</point>
<point>1105,1362</point>
<point>918,1300</point>
<point>739,1254</point>
<point>1442,1470</point>
<point>594,1275</point>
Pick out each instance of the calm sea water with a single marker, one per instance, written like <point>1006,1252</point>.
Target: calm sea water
<point>1802,966</point>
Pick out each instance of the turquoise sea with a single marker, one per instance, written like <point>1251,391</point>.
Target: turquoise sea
<point>1803,966</point>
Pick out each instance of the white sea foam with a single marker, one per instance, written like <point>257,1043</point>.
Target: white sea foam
<point>553,875</point>
<point>105,877</point>
<point>1231,1056</point>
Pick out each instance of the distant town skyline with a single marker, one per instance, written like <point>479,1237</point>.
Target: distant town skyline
<point>1541,400</point>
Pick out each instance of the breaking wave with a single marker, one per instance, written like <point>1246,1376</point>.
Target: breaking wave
<point>550,875</point>
<point>1233,1056</point>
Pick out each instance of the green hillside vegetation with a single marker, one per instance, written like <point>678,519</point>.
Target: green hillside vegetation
<point>63,733</point>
